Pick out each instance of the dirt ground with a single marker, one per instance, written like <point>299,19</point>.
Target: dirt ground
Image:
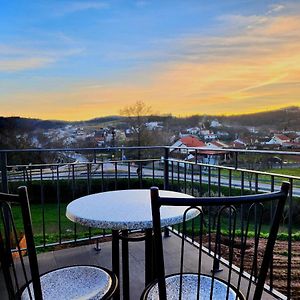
<point>280,262</point>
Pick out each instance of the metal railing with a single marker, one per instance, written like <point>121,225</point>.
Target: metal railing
<point>52,185</point>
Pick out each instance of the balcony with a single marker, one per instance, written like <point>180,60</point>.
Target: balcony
<point>61,242</point>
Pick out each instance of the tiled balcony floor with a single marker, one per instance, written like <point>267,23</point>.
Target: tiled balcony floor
<point>87,255</point>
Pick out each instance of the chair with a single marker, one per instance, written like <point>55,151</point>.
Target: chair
<point>227,245</point>
<point>83,281</point>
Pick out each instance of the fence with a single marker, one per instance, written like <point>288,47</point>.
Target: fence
<point>84,171</point>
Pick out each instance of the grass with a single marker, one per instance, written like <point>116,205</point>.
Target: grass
<point>49,232</point>
<point>52,224</point>
<point>236,175</point>
<point>286,171</point>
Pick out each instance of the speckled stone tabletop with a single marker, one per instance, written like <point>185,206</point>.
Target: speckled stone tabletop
<point>124,209</point>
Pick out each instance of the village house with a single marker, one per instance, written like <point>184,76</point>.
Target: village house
<point>185,142</point>
<point>153,125</point>
<point>278,139</point>
<point>238,144</point>
<point>193,130</point>
<point>216,145</point>
<point>208,135</point>
<point>215,123</point>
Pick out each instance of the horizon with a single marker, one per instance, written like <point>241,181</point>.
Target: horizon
<point>159,115</point>
<point>80,60</point>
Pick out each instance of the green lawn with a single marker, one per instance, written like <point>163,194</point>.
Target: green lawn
<point>286,171</point>
<point>52,224</point>
<point>55,224</point>
<point>67,227</point>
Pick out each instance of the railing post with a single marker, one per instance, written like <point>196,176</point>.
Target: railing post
<point>166,182</point>
<point>166,169</point>
<point>4,181</point>
<point>236,154</point>
<point>3,167</point>
<point>95,156</point>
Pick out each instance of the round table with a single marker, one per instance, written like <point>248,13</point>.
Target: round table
<point>126,210</point>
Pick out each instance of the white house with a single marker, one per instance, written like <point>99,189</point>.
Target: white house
<point>216,145</point>
<point>278,139</point>
<point>215,123</point>
<point>210,136</point>
<point>204,132</point>
<point>153,125</point>
<point>193,130</point>
<point>186,142</point>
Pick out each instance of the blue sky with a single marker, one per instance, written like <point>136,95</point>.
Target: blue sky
<point>82,59</point>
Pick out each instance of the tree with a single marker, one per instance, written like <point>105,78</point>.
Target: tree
<point>251,161</point>
<point>137,117</point>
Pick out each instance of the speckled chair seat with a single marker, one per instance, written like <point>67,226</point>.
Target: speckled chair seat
<point>22,282</point>
<point>190,288</point>
<point>227,248</point>
<point>75,282</point>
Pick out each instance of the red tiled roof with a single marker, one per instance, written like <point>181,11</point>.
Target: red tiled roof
<point>191,141</point>
<point>237,144</point>
<point>216,143</point>
<point>282,137</point>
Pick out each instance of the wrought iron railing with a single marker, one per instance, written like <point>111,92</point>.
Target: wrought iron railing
<point>53,185</point>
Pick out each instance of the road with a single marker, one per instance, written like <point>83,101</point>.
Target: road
<point>108,169</point>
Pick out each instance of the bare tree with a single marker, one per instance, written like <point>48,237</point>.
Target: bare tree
<point>137,116</point>
<point>251,162</point>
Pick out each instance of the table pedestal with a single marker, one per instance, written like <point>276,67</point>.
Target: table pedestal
<point>149,265</point>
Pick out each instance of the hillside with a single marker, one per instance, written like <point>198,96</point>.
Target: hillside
<point>286,118</point>
<point>281,119</point>
<point>15,123</point>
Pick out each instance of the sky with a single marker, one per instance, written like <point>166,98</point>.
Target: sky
<point>76,60</point>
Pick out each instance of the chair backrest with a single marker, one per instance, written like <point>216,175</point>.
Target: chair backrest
<point>234,217</point>
<point>13,265</point>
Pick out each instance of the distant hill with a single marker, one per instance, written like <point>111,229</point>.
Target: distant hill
<point>27,123</point>
<point>97,120</point>
<point>281,119</point>
<point>285,118</point>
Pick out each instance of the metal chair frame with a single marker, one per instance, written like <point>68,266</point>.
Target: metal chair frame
<point>7,232</point>
<point>255,203</point>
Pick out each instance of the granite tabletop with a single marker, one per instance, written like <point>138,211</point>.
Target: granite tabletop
<point>124,209</point>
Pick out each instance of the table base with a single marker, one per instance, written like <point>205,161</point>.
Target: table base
<point>149,265</point>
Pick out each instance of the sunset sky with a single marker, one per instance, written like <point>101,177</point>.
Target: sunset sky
<point>75,60</point>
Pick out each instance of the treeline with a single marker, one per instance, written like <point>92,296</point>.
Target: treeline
<point>27,123</point>
<point>285,118</point>
<point>282,119</point>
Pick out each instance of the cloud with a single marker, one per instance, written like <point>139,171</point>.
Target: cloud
<point>242,21</point>
<point>15,59</point>
<point>78,6</point>
<point>13,65</point>
<point>282,27</point>
<point>251,63</point>
<point>275,8</point>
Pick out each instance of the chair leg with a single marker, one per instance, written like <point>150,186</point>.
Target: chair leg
<point>115,260</point>
<point>97,248</point>
<point>148,256</point>
<point>125,266</point>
